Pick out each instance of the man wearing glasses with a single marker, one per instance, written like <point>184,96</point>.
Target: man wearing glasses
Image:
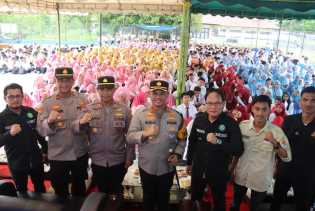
<point>61,118</point>
<point>20,139</point>
<point>158,132</point>
<point>214,139</point>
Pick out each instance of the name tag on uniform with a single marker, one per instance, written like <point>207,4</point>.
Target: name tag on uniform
<point>119,124</point>
<point>32,121</point>
<point>221,135</point>
<point>200,131</point>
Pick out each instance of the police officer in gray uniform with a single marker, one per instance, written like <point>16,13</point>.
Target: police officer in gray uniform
<point>161,139</point>
<point>61,118</point>
<point>111,155</point>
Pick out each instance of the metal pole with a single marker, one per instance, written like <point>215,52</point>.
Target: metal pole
<point>288,43</point>
<point>101,30</point>
<point>58,20</point>
<point>303,39</point>
<point>257,34</point>
<point>279,32</point>
<point>184,39</point>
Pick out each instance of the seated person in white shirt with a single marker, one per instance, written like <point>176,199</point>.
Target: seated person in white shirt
<point>198,99</point>
<point>187,108</point>
<point>262,142</point>
<point>190,83</point>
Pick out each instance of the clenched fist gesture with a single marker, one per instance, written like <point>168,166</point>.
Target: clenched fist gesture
<point>86,118</point>
<point>211,138</point>
<point>151,131</point>
<point>15,129</point>
<point>53,116</point>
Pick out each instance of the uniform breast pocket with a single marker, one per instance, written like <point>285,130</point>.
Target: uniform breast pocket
<point>119,123</point>
<point>201,134</point>
<point>265,147</point>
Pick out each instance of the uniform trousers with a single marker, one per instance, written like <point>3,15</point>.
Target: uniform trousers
<point>255,200</point>
<point>64,172</point>
<point>109,179</point>
<point>156,190</point>
<point>302,188</point>
<point>36,173</point>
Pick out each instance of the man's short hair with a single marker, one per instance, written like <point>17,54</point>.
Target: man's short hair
<point>185,94</point>
<point>261,99</point>
<point>217,91</point>
<point>12,86</point>
<point>197,89</point>
<point>309,89</point>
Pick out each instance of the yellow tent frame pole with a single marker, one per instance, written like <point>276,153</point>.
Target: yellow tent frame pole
<point>184,45</point>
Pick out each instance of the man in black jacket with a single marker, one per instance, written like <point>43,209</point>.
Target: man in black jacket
<point>214,139</point>
<point>300,172</point>
<point>19,137</point>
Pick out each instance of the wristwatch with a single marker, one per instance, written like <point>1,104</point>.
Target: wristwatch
<point>277,146</point>
<point>218,141</point>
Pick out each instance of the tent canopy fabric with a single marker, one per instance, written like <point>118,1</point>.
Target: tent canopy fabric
<point>271,9</point>
<point>156,28</point>
<point>83,6</point>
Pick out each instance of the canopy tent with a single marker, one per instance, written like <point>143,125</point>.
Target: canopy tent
<point>77,6</point>
<point>271,9</point>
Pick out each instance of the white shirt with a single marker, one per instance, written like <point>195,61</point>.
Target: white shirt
<point>192,111</point>
<point>255,167</point>
<point>291,108</point>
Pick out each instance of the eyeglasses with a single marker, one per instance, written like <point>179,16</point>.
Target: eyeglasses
<point>215,104</point>
<point>12,97</point>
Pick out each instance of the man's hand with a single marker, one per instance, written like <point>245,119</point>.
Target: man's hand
<point>173,159</point>
<point>15,129</point>
<point>211,138</point>
<point>53,117</point>
<point>86,118</point>
<point>151,131</point>
<point>269,138</point>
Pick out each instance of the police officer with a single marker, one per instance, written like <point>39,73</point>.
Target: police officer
<point>214,139</point>
<point>61,118</point>
<point>19,137</point>
<point>111,155</point>
<point>300,172</point>
<point>158,132</point>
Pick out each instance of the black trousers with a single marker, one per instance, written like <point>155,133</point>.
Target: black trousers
<point>156,190</point>
<point>302,188</point>
<point>256,198</point>
<point>218,189</point>
<point>64,172</point>
<point>109,179</point>
<point>36,173</point>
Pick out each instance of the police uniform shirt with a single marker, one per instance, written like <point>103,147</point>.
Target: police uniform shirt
<point>108,130</point>
<point>154,153</point>
<point>68,142</point>
<point>22,149</point>
<point>302,141</point>
<point>213,159</point>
